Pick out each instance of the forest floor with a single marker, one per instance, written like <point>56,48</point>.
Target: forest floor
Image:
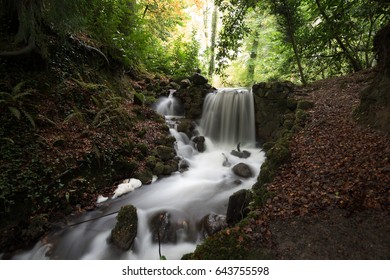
<point>332,199</point>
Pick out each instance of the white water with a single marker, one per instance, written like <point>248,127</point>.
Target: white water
<point>229,116</point>
<point>187,197</point>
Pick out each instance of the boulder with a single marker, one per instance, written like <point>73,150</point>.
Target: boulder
<point>238,206</point>
<point>240,154</point>
<point>183,165</point>
<point>165,153</point>
<point>199,143</point>
<point>199,80</point>
<point>166,229</point>
<point>212,223</point>
<point>185,83</point>
<point>125,230</point>
<point>243,170</point>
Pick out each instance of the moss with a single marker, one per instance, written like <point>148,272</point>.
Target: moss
<point>230,244</point>
<point>144,175</point>
<point>159,169</point>
<point>268,145</point>
<point>125,230</point>
<point>300,117</point>
<point>165,153</point>
<point>288,124</point>
<point>278,154</point>
<point>305,105</point>
<point>292,104</point>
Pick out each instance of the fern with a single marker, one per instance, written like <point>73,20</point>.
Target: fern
<point>14,101</point>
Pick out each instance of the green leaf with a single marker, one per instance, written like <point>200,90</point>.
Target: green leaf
<point>15,112</point>
<point>30,118</point>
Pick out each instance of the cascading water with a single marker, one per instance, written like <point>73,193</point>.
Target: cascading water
<point>185,197</point>
<point>228,116</point>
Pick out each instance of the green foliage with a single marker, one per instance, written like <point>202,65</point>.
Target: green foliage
<point>326,37</point>
<point>16,103</point>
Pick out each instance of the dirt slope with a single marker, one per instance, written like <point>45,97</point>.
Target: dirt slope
<point>331,201</point>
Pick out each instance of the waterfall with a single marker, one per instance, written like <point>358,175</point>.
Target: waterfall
<point>187,196</point>
<point>169,106</point>
<point>229,116</point>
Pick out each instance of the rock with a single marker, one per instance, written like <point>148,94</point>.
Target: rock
<point>240,154</point>
<point>165,229</point>
<point>125,229</point>
<point>212,223</point>
<point>160,227</point>
<point>199,143</point>
<point>243,170</point>
<point>174,85</point>
<point>199,80</point>
<point>185,83</point>
<point>272,102</point>
<point>238,206</point>
<point>183,165</point>
<point>165,153</point>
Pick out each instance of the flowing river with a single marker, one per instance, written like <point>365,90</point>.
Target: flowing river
<point>205,188</point>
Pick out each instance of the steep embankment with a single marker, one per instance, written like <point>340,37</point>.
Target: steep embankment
<point>71,127</point>
<point>331,199</point>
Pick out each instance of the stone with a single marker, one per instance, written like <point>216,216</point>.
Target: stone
<point>199,143</point>
<point>240,154</point>
<point>167,229</point>
<point>243,170</point>
<point>212,223</point>
<point>183,165</point>
<point>125,230</point>
<point>165,153</point>
<point>199,80</point>
<point>185,83</point>
<point>238,206</point>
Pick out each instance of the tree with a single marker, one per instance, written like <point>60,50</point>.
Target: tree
<point>287,12</point>
<point>214,23</point>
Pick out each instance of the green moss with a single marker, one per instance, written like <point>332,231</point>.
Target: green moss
<point>292,104</point>
<point>300,117</point>
<point>230,244</point>
<point>305,105</point>
<point>288,124</point>
<point>165,153</point>
<point>159,169</point>
<point>145,176</point>
<point>125,230</point>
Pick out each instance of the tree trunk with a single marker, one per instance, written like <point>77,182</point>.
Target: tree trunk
<point>214,24</point>
<point>355,63</point>
<point>253,57</point>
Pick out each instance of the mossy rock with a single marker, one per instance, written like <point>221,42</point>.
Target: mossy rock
<point>144,175</point>
<point>151,161</point>
<point>158,170</point>
<point>165,153</point>
<point>268,145</point>
<point>125,230</point>
<point>292,104</point>
<point>230,244</point>
<point>170,167</point>
<point>305,105</point>
<point>288,124</point>
<point>267,173</point>
<point>300,117</point>
<point>278,154</point>
<point>124,166</point>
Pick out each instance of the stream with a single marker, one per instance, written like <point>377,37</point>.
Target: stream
<point>205,188</point>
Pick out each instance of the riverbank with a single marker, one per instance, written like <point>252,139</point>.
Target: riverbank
<point>331,199</point>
